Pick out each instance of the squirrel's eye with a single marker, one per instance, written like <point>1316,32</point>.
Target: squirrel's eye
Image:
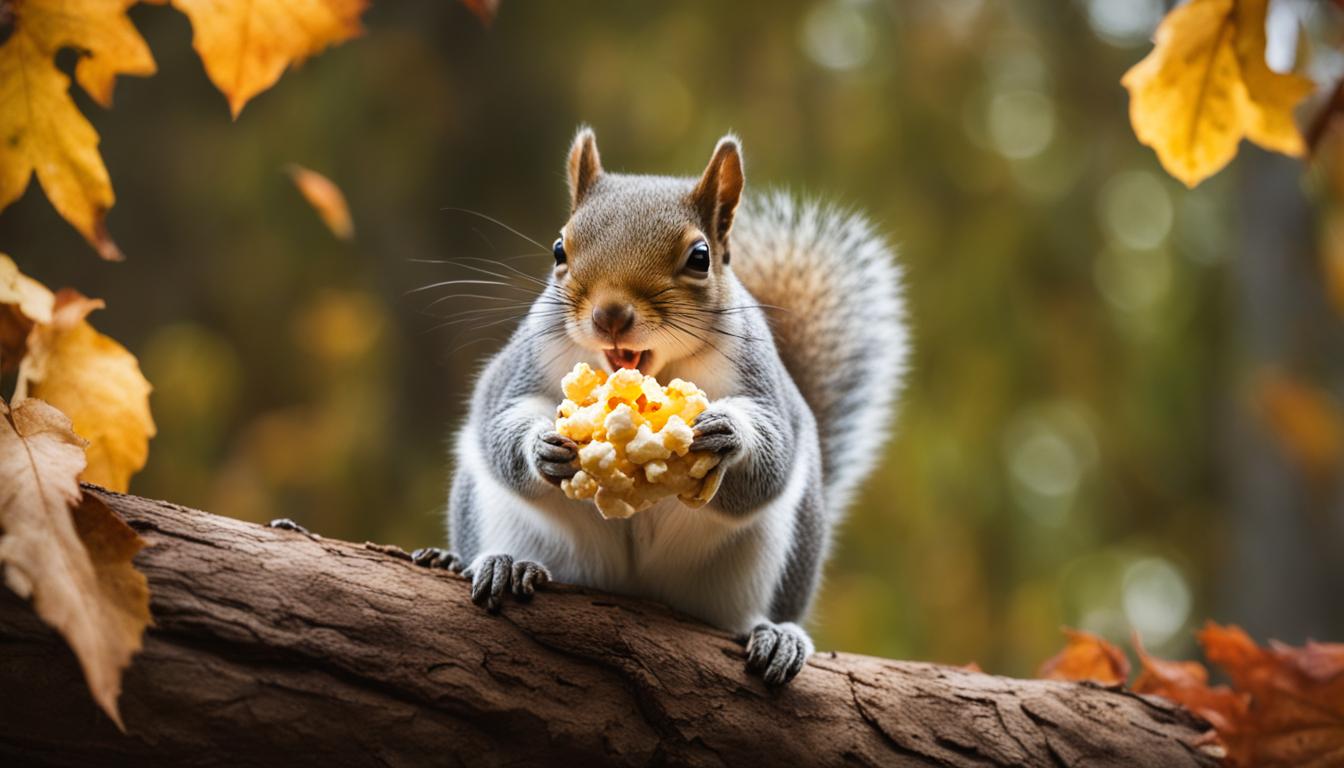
<point>559,250</point>
<point>698,260</point>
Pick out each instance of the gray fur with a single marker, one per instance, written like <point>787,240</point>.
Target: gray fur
<point>462,523</point>
<point>841,329</point>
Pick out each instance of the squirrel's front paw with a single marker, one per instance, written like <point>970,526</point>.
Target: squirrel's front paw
<point>777,652</point>
<point>556,456</point>
<point>494,575</point>
<point>717,432</point>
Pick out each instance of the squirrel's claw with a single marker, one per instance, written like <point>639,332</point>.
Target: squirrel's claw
<point>492,576</point>
<point>715,432</point>
<point>528,577</point>
<point>777,651</point>
<point>557,457</point>
<point>437,557</point>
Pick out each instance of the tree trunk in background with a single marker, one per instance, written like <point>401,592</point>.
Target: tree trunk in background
<point>271,646</point>
<point>1282,564</point>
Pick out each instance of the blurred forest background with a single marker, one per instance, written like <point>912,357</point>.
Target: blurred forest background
<point>1117,412</point>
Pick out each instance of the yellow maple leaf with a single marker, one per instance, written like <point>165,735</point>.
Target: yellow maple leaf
<point>246,46</point>
<point>97,383</point>
<point>1206,85</point>
<point>68,553</point>
<point>41,130</point>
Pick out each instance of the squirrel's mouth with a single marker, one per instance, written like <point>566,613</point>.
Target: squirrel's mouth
<point>626,358</point>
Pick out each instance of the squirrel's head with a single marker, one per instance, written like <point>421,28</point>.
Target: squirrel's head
<point>643,260</point>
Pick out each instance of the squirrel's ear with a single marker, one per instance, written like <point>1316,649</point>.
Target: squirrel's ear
<point>585,165</point>
<point>720,188</point>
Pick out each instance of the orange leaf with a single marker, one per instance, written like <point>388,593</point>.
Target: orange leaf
<point>1086,657</point>
<point>1296,712</point>
<point>247,46</point>
<point>44,133</point>
<point>1187,683</point>
<point>325,198</point>
<point>1306,421</point>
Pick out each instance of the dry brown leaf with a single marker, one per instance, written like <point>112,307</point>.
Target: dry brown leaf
<point>23,303</point>
<point>1296,712</point>
<point>44,132</point>
<point>247,46</point>
<point>97,383</point>
<point>76,568</point>
<point>1304,419</point>
<point>1086,657</point>
<point>1206,85</point>
<point>326,198</point>
<point>1187,683</point>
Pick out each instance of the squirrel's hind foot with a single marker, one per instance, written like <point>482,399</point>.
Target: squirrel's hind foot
<point>777,652</point>
<point>494,575</point>
<point>437,557</point>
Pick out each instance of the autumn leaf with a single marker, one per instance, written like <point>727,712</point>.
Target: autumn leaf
<point>1086,657</point>
<point>97,383</point>
<point>23,303</point>
<point>76,568</point>
<point>247,46</point>
<point>1305,420</point>
<point>1206,85</point>
<point>1187,683</point>
<point>1296,713</point>
<point>41,130</point>
<point>325,198</point>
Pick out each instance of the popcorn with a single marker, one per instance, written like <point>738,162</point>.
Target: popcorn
<point>634,439</point>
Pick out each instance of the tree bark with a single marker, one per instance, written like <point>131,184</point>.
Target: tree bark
<point>271,646</point>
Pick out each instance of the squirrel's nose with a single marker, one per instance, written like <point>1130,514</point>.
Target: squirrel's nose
<point>613,319</point>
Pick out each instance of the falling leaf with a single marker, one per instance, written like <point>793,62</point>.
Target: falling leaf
<point>485,10</point>
<point>41,130</point>
<point>1086,657</point>
<point>326,198</point>
<point>246,46</point>
<point>97,383</point>
<point>23,303</point>
<point>1305,419</point>
<point>1296,713</point>
<point>1206,85</point>
<point>76,568</point>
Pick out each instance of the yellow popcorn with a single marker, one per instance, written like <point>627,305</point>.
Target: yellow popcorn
<point>634,439</point>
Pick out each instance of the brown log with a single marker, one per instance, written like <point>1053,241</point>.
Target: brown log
<point>271,647</point>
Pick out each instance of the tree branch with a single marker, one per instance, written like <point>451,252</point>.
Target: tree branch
<point>271,644</point>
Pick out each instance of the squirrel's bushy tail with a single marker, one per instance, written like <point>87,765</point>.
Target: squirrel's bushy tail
<point>840,328</point>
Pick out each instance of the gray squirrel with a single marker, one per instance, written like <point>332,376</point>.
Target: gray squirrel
<point>787,314</point>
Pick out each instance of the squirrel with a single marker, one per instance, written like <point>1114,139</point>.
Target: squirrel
<point>787,313</point>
